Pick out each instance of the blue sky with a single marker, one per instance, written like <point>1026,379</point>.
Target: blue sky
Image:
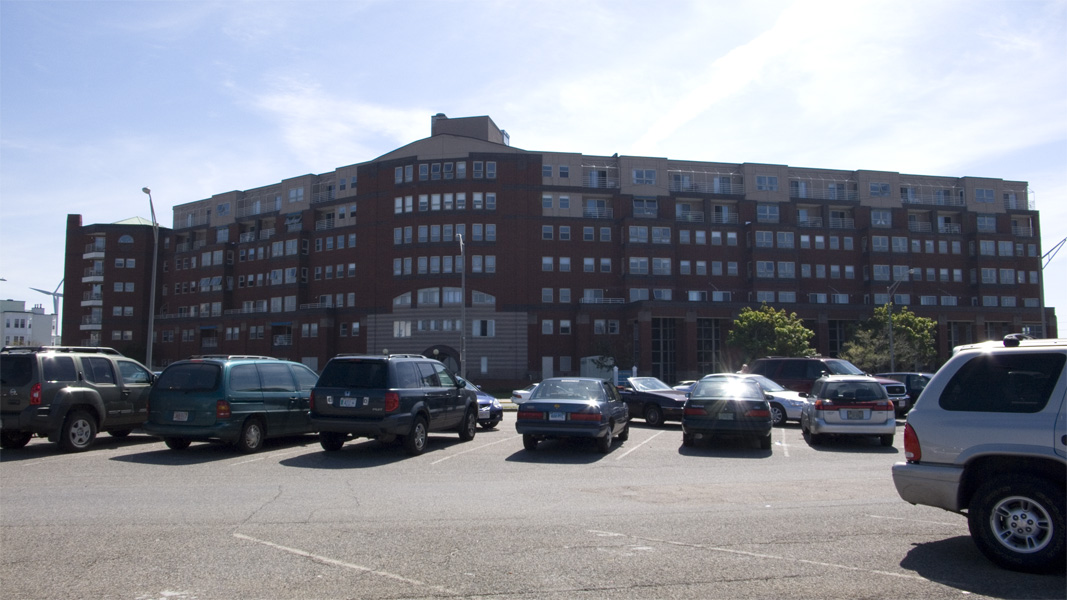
<point>99,99</point>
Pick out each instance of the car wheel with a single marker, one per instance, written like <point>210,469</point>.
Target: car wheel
<point>331,441</point>
<point>625,435</point>
<point>777,415</point>
<point>1018,522</point>
<point>415,441</point>
<point>251,438</point>
<point>653,415</point>
<point>603,443</point>
<point>813,439</point>
<point>765,442</point>
<point>529,442</point>
<point>687,440</point>
<point>176,443</point>
<point>78,433</point>
<point>469,427</point>
<point>14,439</point>
<point>886,440</point>
<point>120,433</point>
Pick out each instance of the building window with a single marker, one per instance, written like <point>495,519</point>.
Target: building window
<point>767,183</point>
<point>546,170</point>
<point>880,190</point>
<point>644,176</point>
<point>767,213</point>
<point>983,195</point>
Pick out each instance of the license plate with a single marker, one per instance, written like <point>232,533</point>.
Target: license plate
<point>557,416</point>
<point>181,415</point>
<point>854,414</point>
<point>349,402</point>
<point>483,412</point>
<point>726,416</point>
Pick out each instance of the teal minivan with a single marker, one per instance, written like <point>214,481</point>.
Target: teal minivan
<point>241,400</point>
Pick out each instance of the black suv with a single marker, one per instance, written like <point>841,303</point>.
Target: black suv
<point>68,394</point>
<point>384,397</point>
<point>798,373</point>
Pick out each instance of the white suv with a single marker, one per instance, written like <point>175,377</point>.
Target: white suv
<point>988,436</point>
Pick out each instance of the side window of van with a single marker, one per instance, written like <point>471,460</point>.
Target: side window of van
<point>444,376</point>
<point>276,378</point>
<point>427,376</point>
<point>407,376</point>
<point>1007,383</point>
<point>244,378</point>
<point>305,378</point>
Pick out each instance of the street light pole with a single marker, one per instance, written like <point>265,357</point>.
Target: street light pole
<point>152,290</point>
<point>462,308</point>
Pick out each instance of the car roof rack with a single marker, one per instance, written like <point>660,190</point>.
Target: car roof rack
<point>81,349</point>
<point>232,357</point>
<point>365,355</point>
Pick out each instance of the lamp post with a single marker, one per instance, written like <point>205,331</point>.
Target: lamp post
<point>890,289</point>
<point>152,290</point>
<point>462,308</point>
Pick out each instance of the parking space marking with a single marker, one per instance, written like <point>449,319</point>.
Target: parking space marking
<point>623,455</point>
<point>785,446</point>
<point>471,450</point>
<point>267,455</point>
<point>760,555</point>
<point>346,565</point>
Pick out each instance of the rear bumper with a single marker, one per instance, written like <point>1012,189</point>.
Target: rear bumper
<point>399,424</point>
<point>746,427</point>
<point>33,419</point>
<point>559,430</point>
<point>929,485</point>
<point>819,426</point>
<point>227,431</point>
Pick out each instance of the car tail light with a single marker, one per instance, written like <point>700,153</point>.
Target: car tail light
<point>821,404</point>
<point>35,394</point>
<point>311,400</point>
<point>586,415</point>
<point>222,409</point>
<point>695,411</point>
<point>392,401</point>
<point>912,450</point>
<point>531,415</point>
<point>758,413</point>
<point>887,405</point>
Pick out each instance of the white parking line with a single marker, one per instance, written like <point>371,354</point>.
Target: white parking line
<point>267,455</point>
<point>785,446</point>
<point>471,450</point>
<point>623,455</point>
<point>339,563</point>
<point>759,555</point>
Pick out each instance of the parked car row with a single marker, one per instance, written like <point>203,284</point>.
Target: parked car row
<point>69,394</point>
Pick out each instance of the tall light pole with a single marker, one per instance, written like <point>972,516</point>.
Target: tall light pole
<point>462,308</point>
<point>890,289</point>
<point>152,291</point>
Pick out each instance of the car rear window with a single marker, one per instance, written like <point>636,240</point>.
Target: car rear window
<point>190,377</point>
<point>847,391</point>
<point>574,389</point>
<point>726,388</point>
<point>1007,383</point>
<point>16,370</point>
<point>355,374</point>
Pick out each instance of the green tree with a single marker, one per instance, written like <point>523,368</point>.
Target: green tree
<point>914,345</point>
<point>769,332</point>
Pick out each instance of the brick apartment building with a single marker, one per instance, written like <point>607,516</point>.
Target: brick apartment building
<point>567,256</point>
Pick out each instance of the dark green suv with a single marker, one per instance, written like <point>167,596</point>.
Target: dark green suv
<point>241,400</point>
<point>68,394</point>
<point>386,397</point>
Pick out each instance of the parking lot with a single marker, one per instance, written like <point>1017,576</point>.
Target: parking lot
<point>650,519</point>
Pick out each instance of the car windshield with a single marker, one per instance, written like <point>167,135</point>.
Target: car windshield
<point>843,367</point>
<point>767,384</point>
<point>568,389</point>
<point>190,377</point>
<point>647,384</point>
<point>726,388</point>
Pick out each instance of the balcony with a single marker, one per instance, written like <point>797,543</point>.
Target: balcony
<point>90,323</point>
<point>707,187</point>
<point>598,212</point>
<point>823,194</point>
<point>266,234</point>
<point>724,219</point>
<point>842,223</point>
<point>293,227</point>
<point>602,301</point>
<point>933,199</point>
<point>209,342</point>
<point>323,196</point>
<point>810,222</point>
<point>248,236</point>
<point>1022,230</point>
<point>323,225</point>
<point>93,276</point>
<point>949,228</point>
<point>182,247</point>
<point>689,217</point>
<point>91,299</point>
<point>282,340</point>
<point>920,227</point>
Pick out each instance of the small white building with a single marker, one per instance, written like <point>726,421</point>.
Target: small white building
<point>27,327</point>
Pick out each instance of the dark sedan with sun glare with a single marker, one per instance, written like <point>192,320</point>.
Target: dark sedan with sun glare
<point>652,400</point>
<point>573,407</point>
<point>726,406</point>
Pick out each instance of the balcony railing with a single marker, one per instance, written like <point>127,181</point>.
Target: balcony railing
<point>323,224</point>
<point>91,296</point>
<point>248,236</point>
<point>724,219</point>
<point>90,320</point>
<point>824,194</point>
<point>323,196</point>
<point>690,217</point>
<point>293,227</point>
<point>266,234</point>
<point>244,311</point>
<point>933,199</point>
<point>1022,230</point>
<point>842,223</point>
<point>209,342</point>
<point>708,187</point>
<point>949,228</point>
<point>810,222</point>
<point>282,340</point>
<point>94,248</point>
<point>90,272</point>
<point>920,227</point>
<point>602,301</point>
<point>182,247</point>
<point>594,212</point>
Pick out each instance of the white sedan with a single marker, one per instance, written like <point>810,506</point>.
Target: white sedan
<point>520,396</point>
